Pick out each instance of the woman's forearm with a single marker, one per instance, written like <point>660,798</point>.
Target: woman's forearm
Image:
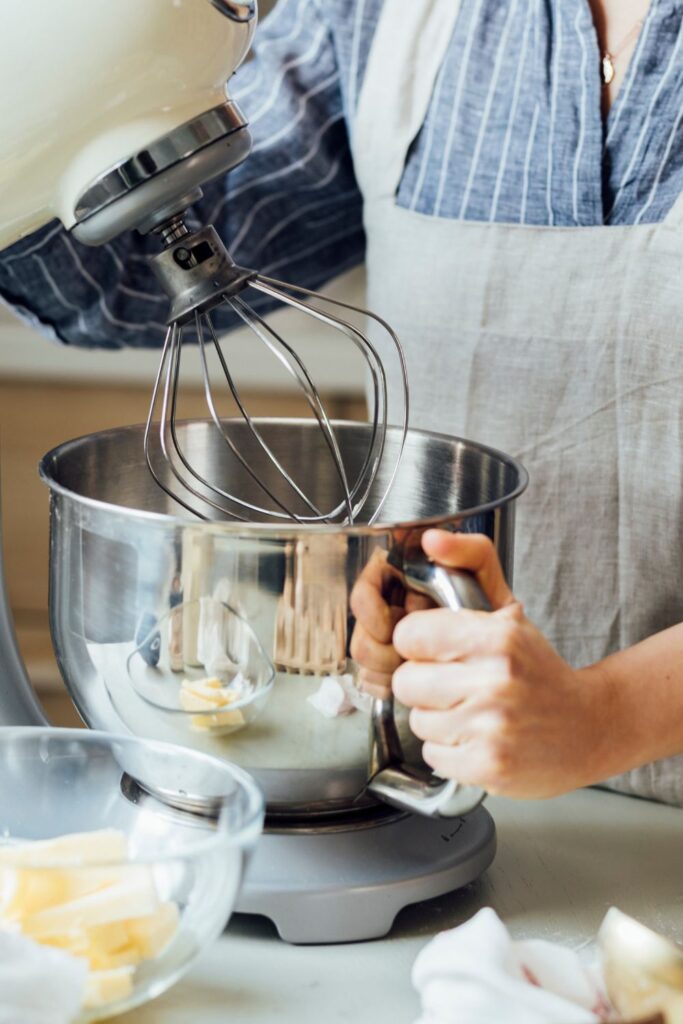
<point>639,701</point>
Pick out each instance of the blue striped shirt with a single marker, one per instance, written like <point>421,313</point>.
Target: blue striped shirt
<point>514,134</point>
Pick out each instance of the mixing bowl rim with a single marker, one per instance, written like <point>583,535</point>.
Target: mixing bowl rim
<point>248,830</point>
<point>283,529</point>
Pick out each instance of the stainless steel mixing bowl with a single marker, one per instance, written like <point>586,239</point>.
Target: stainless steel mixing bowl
<point>146,605</point>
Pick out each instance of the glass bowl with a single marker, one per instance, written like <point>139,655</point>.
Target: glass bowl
<point>154,879</point>
<point>229,689</point>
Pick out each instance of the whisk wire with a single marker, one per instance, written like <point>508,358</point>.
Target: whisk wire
<point>375,449</point>
<point>208,392</point>
<point>198,274</point>
<point>168,340</point>
<point>272,339</point>
<point>168,424</point>
<point>405,393</point>
<point>260,440</point>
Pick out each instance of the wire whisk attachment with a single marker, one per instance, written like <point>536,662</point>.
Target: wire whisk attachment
<point>257,482</point>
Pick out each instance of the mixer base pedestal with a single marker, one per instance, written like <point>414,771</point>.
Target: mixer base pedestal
<point>349,885</point>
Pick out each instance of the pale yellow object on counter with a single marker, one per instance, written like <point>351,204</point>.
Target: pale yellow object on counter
<point>208,695</point>
<point>96,907</point>
<point>643,970</point>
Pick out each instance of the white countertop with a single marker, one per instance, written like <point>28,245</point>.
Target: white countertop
<point>25,353</point>
<point>560,864</point>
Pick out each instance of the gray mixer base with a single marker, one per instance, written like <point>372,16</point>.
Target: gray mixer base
<point>347,886</point>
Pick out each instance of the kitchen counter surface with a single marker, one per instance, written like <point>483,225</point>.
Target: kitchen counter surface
<point>560,864</point>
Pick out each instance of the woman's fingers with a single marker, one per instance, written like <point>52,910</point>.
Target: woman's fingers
<point>370,653</point>
<point>376,684</point>
<point>440,686</point>
<point>443,635</point>
<point>468,763</point>
<point>385,611</point>
<point>370,609</point>
<point>474,552</point>
<point>371,597</point>
<point>456,725</point>
<point>377,602</point>
<point>447,727</point>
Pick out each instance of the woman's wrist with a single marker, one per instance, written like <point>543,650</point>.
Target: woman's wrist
<point>637,708</point>
<point>608,720</point>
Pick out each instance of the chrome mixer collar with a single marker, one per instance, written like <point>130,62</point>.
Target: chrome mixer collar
<point>155,183</point>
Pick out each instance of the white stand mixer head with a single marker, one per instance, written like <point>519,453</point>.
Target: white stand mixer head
<point>110,110</point>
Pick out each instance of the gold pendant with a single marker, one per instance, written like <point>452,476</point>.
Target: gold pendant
<point>607,69</point>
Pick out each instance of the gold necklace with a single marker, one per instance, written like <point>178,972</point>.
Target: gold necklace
<point>608,59</point>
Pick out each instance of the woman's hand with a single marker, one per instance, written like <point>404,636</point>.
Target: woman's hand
<point>495,704</point>
<point>379,601</point>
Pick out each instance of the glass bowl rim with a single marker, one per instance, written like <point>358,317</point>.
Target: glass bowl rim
<point>248,831</point>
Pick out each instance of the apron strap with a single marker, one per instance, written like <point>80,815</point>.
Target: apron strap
<point>406,54</point>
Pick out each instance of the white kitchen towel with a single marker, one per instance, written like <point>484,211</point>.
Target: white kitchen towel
<point>339,695</point>
<point>476,974</point>
<point>38,985</point>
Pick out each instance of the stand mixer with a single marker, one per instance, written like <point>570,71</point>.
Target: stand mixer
<point>132,153</point>
<point>135,582</point>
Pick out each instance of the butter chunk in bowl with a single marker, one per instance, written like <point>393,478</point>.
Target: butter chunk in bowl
<point>209,702</point>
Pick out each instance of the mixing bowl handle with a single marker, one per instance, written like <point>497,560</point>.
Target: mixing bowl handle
<point>407,786</point>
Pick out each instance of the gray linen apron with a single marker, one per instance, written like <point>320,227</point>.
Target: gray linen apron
<point>558,345</point>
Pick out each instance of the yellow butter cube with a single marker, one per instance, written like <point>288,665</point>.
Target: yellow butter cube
<point>220,720</point>
<point>104,911</point>
<point>133,896</point>
<point>26,891</point>
<point>106,845</point>
<point>152,934</point>
<point>104,987</point>
<point>194,702</point>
